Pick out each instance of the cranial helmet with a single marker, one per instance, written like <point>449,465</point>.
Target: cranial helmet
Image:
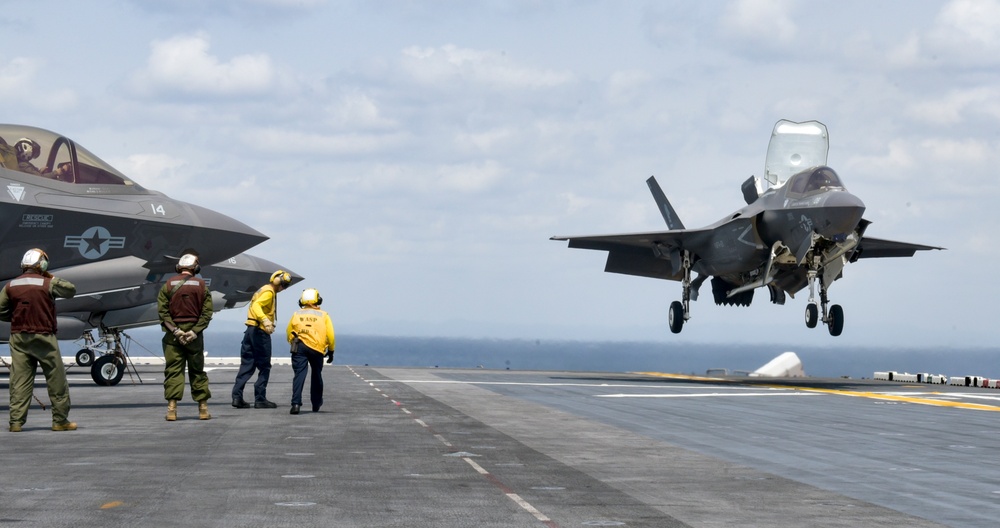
<point>310,297</point>
<point>35,258</point>
<point>189,262</point>
<point>27,149</point>
<point>281,278</point>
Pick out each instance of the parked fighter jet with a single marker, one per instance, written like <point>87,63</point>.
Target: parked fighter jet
<point>115,240</point>
<point>801,232</point>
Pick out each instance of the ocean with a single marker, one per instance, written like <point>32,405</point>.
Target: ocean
<point>602,356</point>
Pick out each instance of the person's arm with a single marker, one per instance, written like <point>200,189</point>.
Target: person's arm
<point>61,288</point>
<point>206,314</point>
<point>5,309</point>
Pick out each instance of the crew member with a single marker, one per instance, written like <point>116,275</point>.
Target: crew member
<point>310,333</point>
<point>28,303</point>
<point>185,308</point>
<point>255,351</point>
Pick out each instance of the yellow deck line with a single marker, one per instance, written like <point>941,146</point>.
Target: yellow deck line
<point>841,392</point>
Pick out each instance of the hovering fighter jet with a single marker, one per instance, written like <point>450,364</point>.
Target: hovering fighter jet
<point>115,240</point>
<point>800,232</point>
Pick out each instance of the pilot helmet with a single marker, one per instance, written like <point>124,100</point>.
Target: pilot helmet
<point>310,297</point>
<point>281,278</point>
<point>35,258</point>
<point>189,262</point>
<point>27,149</point>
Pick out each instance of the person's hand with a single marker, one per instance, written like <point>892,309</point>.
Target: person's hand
<point>329,356</point>
<point>267,326</point>
<point>188,337</point>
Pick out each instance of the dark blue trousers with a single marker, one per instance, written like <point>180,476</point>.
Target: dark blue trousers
<point>302,360</point>
<point>255,354</point>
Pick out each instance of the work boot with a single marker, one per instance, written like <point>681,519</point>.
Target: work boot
<point>171,410</point>
<point>203,410</point>
<point>68,426</point>
<point>315,408</point>
<point>295,409</point>
<point>240,403</point>
<point>264,404</point>
<point>15,428</point>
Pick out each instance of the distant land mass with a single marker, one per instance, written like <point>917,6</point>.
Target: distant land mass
<point>603,356</point>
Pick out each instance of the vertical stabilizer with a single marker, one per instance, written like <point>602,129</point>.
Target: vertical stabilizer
<point>667,210</point>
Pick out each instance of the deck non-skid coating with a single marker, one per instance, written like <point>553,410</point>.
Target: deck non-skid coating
<point>437,447</point>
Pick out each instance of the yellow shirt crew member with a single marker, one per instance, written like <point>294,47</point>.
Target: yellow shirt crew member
<point>310,331</point>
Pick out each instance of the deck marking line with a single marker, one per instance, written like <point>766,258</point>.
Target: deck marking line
<point>525,505</point>
<point>906,399</point>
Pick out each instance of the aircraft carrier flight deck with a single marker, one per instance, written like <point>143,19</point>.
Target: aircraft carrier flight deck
<point>441,448</point>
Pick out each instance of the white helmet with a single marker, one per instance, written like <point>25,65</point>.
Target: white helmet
<point>27,149</point>
<point>35,258</point>
<point>310,297</point>
<point>189,262</point>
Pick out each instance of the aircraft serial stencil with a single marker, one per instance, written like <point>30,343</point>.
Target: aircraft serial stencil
<point>799,233</point>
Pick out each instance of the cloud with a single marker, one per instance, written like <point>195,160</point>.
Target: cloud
<point>356,111</point>
<point>957,105</point>
<point>965,34</point>
<point>286,142</point>
<point>764,21</point>
<point>19,83</point>
<point>182,64</point>
<point>451,64</point>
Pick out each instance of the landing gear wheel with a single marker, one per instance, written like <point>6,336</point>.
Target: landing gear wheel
<point>676,317</point>
<point>107,370</point>
<point>836,321</point>
<point>85,357</point>
<point>812,315</point>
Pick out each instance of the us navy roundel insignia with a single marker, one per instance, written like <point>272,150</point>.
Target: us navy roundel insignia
<point>94,242</point>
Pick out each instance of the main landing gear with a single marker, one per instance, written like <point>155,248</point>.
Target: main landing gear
<point>832,317</point>
<point>680,311</point>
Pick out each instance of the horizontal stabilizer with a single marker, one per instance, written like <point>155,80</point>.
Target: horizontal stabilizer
<point>878,248</point>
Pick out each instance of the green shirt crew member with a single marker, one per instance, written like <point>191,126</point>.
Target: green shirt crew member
<point>28,303</point>
<point>185,307</point>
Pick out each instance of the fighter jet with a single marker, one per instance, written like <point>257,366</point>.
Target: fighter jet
<point>115,240</point>
<point>800,232</point>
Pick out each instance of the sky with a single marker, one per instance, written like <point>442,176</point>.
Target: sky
<point>412,158</point>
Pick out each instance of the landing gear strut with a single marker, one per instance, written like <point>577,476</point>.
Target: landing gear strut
<point>680,311</point>
<point>832,316</point>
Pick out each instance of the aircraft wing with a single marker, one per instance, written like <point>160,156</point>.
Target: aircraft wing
<point>655,254</point>
<point>878,248</point>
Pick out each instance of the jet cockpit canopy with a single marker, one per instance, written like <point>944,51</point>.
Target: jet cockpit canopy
<point>55,157</point>
<point>794,147</point>
<point>814,179</point>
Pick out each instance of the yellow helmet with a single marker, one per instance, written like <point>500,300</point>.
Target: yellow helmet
<point>281,278</point>
<point>310,297</point>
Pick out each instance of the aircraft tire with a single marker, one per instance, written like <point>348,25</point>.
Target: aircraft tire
<point>676,317</point>
<point>85,357</point>
<point>812,315</point>
<point>107,370</point>
<point>836,320</point>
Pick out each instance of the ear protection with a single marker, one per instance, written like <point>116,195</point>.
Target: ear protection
<point>281,278</point>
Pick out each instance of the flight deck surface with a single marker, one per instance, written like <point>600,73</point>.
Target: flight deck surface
<point>441,448</point>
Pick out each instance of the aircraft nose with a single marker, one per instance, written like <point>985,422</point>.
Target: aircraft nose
<point>844,211</point>
<point>218,237</point>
